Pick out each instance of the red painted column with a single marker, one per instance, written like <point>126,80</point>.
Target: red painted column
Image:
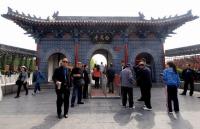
<point>76,53</point>
<point>126,54</point>
<point>37,55</point>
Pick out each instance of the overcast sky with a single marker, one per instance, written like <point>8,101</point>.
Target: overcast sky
<point>188,34</point>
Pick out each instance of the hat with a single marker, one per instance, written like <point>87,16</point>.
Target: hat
<point>23,67</point>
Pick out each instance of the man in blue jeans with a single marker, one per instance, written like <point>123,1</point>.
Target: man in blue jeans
<point>77,77</point>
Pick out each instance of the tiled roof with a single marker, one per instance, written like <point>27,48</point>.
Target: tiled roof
<point>5,49</point>
<point>85,20</point>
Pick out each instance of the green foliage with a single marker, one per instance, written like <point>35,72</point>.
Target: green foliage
<point>92,62</point>
<point>179,70</point>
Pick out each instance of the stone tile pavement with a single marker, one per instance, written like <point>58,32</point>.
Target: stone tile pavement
<point>39,112</point>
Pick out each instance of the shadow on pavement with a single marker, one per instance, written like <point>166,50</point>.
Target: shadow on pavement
<point>177,122</point>
<point>49,122</point>
<point>123,116</point>
<point>145,119</point>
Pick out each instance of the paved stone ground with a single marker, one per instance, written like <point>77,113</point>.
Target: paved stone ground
<point>39,112</point>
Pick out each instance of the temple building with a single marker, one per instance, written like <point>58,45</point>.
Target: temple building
<point>119,39</point>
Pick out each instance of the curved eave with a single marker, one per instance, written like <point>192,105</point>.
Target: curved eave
<point>30,21</point>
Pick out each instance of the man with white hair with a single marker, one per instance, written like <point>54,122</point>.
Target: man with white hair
<point>127,82</point>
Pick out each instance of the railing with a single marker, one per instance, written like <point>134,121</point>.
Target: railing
<point>10,80</point>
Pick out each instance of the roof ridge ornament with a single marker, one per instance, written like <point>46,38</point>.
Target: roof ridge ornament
<point>141,15</point>
<point>55,14</point>
<point>189,12</point>
<point>10,10</point>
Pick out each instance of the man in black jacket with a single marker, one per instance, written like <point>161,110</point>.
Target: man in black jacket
<point>61,78</point>
<point>188,75</point>
<point>145,83</point>
<point>77,76</point>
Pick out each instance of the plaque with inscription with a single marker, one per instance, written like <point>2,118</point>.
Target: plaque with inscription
<point>101,38</point>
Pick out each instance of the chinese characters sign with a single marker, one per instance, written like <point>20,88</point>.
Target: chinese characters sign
<point>101,38</point>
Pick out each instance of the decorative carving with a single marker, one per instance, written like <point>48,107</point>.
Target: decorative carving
<point>9,10</point>
<point>55,15</point>
<point>141,15</point>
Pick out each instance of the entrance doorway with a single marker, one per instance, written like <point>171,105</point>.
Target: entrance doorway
<point>101,60</point>
<point>53,63</point>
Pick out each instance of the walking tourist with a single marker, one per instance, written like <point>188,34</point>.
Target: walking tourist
<point>110,76</point>
<point>61,78</point>
<point>145,84</point>
<point>87,81</point>
<point>188,75</point>
<point>172,81</point>
<point>127,81</point>
<point>96,76</point>
<point>22,80</point>
<point>77,78</point>
<point>37,78</point>
<point>102,69</point>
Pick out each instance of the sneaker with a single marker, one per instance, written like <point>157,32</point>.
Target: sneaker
<point>170,112</point>
<point>123,106</point>
<point>66,116</point>
<point>80,103</point>
<point>16,97</point>
<point>33,94</point>
<point>148,109</point>
<point>59,117</point>
<point>132,107</point>
<point>140,99</point>
<point>183,94</point>
<point>72,105</point>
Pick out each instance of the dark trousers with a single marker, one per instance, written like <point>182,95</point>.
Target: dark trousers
<point>110,86</point>
<point>96,79</point>
<point>127,91</point>
<point>186,83</point>
<point>37,87</point>
<point>147,96</point>
<point>77,91</point>
<point>85,91</point>
<point>142,92</point>
<point>19,88</point>
<point>172,96</point>
<point>62,97</point>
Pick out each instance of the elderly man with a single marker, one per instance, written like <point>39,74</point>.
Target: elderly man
<point>61,78</point>
<point>145,84</point>
<point>127,81</point>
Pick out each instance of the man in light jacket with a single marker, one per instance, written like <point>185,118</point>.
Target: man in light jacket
<point>127,81</point>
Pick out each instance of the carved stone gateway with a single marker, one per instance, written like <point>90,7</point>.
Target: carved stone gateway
<point>78,38</point>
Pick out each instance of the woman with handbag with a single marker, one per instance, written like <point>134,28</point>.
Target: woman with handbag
<point>22,80</point>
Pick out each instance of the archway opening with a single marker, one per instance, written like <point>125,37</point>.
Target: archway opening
<point>101,57</point>
<point>54,62</point>
<point>148,58</point>
<point>98,59</point>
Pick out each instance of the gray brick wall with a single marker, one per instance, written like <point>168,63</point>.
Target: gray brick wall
<point>115,48</point>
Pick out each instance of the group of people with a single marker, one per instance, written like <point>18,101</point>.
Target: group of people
<point>23,77</point>
<point>101,74</point>
<point>66,77</point>
<point>143,80</point>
